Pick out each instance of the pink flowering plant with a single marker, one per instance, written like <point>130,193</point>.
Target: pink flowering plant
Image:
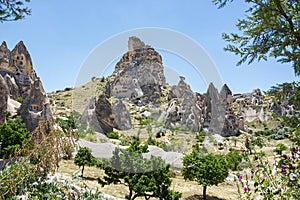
<point>277,177</point>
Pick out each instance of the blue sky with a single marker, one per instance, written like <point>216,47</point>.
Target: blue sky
<point>61,34</point>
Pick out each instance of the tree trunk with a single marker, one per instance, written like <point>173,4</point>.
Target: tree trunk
<point>82,171</point>
<point>204,192</point>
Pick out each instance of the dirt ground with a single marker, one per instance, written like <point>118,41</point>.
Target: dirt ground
<point>189,189</point>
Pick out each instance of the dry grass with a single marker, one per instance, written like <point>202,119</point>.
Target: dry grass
<point>189,189</point>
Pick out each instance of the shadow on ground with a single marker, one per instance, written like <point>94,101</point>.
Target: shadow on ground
<point>199,197</point>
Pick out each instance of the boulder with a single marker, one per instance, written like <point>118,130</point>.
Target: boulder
<point>89,116</point>
<point>104,114</point>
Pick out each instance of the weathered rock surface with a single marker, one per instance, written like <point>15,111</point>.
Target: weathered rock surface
<point>122,120</point>
<point>35,106</point>
<point>183,109</point>
<point>89,116</point>
<point>138,82</point>
<point>104,114</point>
<point>20,78</point>
<point>139,74</point>
<point>4,92</point>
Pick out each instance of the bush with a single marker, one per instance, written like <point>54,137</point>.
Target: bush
<point>200,136</point>
<point>13,136</point>
<point>280,148</point>
<point>233,159</point>
<point>113,135</point>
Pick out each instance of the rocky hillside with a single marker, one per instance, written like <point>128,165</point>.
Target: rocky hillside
<point>21,89</point>
<point>138,88</point>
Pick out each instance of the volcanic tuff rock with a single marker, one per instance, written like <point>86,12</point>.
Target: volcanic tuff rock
<point>138,82</point>
<point>89,116</point>
<point>139,75</point>
<point>183,109</point>
<point>20,78</point>
<point>103,116</point>
<point>4,92</point>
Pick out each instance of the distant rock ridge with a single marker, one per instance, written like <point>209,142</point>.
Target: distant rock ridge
<point>138,83</point>
<point>23,84</point>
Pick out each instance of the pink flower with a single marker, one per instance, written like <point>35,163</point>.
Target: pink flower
<point>246,189</point>
<point>284,156</point>
<point>242,150</point>
<point>240,177</point>
<point>247,143</point>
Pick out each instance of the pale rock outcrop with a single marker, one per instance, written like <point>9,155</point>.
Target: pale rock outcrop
<point>139,75</point>
<point>4,92</point>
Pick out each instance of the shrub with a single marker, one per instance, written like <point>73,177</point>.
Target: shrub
<point>233,159</point>
<point>113,135</point>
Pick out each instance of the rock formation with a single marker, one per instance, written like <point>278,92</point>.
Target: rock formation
<point>139,74</point>
<point>4,92</point>
<point>122,120</point>
<point>89,116</point>
<point>138,81</point>
<point>103,116</point>
<point>22,84</point>
<point>183,109</point>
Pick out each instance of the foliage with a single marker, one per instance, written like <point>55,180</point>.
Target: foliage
<point>35,187</point>
<point>280,148</point>
<point>281,133</point>
<point>233,159</point>
<point>207,169</point>
<point>84,157</point>
<point>14,178</point>
<point>67,124</point>
<point>278,178</point>
<point>200,136</point>
<point>19,99</point>
<point>286,91</point>
<point>113,135</point>
<point>13,136</point>
<point>270,29</point>
<point>143,177</point>
<point>39,159</point>
<point>13,10</point>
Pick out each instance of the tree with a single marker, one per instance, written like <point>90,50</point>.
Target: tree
<point>270,29</point>
<point>13,136</point>
<point>13,10</point>
<point>207,169</point>
<point>233,159</point>
<point>143,177</point>
<point>84,157</point>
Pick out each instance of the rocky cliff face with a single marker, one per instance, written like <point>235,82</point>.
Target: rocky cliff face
<point>4,93</point>
<point>138,83</point>
<point>183,108</point>
<point>22,83</point>
<point>139,75</point>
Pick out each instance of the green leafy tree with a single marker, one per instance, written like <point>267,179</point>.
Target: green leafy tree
<point>13,136</point>
<point>12,10</point>
<point>270,29</point>
<point>207,169</point>
<point>144,177</point>
<point>84,157</point>
<point>233,158</point>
